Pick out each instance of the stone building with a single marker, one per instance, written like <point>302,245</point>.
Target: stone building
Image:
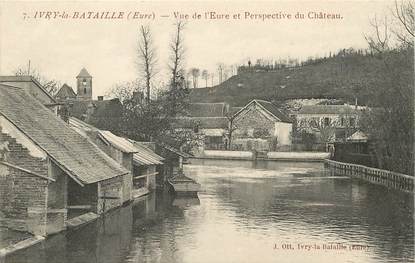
<point>48,172</point>
<point>260,126</point>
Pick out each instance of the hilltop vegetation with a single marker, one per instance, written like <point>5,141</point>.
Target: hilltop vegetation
<point>348,75</point>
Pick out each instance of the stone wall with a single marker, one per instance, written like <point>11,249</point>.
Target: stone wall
<point>250,120</point>
<point>23,190</point>
<point>110,194</point>
<point>23,202</point>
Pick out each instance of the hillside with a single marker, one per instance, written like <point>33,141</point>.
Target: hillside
<point>338,77</point>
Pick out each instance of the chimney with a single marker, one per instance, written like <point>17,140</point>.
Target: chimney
<point>100,98</point>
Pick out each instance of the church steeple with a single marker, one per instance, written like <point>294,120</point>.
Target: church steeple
<point>84,85</point>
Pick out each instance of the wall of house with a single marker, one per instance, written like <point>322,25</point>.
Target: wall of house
<point>126,160</point>
<point>112,188</point>
<point>252,119</point>
<point>23,202</point>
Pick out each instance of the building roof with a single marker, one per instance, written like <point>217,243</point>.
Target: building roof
<point>120,143</point>
<point>208,109</point>
<point>65,92</point>
<point>146,156</point>
<point>142,154</point>
<point>102,108</point>
<point>358,136</point>
<point>270,108</point>
<point>328,109</point>
<point>76,155</point>
<point>201,122</point>
<point>10,79</point>
<point>84,74</point>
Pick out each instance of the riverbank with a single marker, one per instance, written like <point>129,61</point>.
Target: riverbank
<point>373,175</point>
<point>274,156</point>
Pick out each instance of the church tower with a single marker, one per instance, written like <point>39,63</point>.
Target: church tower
<point>84,85</point>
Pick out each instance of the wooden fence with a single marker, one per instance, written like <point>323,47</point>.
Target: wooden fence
<point>377,176</point>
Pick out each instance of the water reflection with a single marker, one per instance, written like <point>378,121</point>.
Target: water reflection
<point>244,210</point>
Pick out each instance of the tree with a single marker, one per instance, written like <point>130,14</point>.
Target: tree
<point>205,76</point>
<point>221,68</point>
<point>51,85</point>
<point>177,50</point>
<point>390,122</point>
<point>147,58</point>
<point>195,73</point>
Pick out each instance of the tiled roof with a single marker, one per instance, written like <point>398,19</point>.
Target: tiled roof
<point>10,79</point>
<point>274,110</point>
<point>120,143</point>
<point>146,156</point>
<point>75,154</point>
<point>328,109</point>
<point>208,109</point>
<point>65,92</point>
<point>142,155</point>
<point>103,108</point>
<point>83,73</point>
<point>270,108</point>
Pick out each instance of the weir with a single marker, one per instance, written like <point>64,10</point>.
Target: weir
<point>373,175</point>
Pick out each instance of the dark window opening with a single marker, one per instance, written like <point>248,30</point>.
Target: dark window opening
<point>84,90</point>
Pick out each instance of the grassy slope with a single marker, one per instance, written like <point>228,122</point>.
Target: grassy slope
<point>338,77</point>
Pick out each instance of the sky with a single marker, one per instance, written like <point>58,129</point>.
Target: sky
<point>60,47</point>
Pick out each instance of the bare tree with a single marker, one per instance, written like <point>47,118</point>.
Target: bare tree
<point>177,50</point>
<point>404,13</point>
<point>205,76</point>
<point>195,73</point>
<point>147,58</point>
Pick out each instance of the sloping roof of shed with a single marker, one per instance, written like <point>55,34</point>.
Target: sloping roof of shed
<point>146,156</point>
<point>120,143</point>
<point>75,154</point>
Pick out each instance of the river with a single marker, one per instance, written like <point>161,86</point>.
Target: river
<point>247,212</point>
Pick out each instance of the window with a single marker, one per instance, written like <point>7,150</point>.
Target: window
<point>84,90</point>
<point>342,122</point>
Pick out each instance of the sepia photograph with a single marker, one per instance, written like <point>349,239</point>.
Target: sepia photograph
<point>207,131</point>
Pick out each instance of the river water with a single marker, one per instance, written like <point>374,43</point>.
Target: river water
<point>247,212</point>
